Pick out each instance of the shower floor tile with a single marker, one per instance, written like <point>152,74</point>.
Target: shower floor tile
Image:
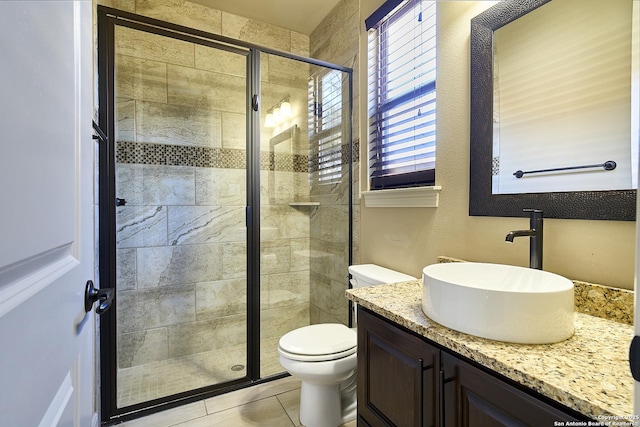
<point>163,378</point>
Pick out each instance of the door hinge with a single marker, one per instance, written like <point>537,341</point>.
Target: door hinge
<point>255,102</point>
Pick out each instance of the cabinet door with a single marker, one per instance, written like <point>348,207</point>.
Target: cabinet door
<point>396,375</point>
<point>474,398</point>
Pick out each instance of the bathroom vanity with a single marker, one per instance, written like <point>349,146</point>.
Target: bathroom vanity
<point>415,372</point>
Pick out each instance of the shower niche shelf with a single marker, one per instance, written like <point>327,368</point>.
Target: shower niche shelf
<point>303,204</point>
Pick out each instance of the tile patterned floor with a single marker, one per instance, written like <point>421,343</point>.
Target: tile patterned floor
<point>167,377</point>
<point>273,404</point>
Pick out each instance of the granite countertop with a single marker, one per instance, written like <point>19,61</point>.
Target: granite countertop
<point>589,372</point>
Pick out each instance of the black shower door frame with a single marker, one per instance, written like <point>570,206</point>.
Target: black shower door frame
<point>108,18</point>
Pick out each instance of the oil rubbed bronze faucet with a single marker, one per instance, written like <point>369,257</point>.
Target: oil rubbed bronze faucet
<point>535,237</point>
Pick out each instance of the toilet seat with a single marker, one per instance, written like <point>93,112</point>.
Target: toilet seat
<point>322,342</point>
<point>316,357</point>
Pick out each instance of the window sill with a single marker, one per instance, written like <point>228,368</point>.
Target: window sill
<point>416,197</point>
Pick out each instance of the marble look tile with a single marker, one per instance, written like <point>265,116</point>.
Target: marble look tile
<point>178,125</point>
<point>290,222</point>
<point>300,254</point>
<point>201,336</point>
<point>126,269</point>
<point>234,260</point>
<point>339,305</point>
<point>126,5</point>
<point>143,45</point>
<point>221,298</point>
<point>290,401</point>
<point>275,256</point>
<point>320,291</point>
<point>331,261</point>
<point>221,187</point>
<point>318,315</point>
<point>142,79</point>
<point>269,233</point>
<point>181,12</point>
<point>141,226</point>
<point>278,321</point>
<point>334,223</point>
<point>355,218</point>
<point>206,224</point>
<point>336,193</point>
<point>284,187</point>
<point>221,61</point>
<point>341,15</point>
<point>264,412</point>
<point>207,90</point>
<point>152,308</point>
<point>288,72</point>
<point>125,119</point>
<point>251,394</point>
<point>142,347</point>
<point>299,44</point>
<point>289,288</point>
<point>234,131</point>
<point>253,31</point>
<point>342,47</point>
<point>155,184</point>
<point>172,265</point>
<point>170,417</point>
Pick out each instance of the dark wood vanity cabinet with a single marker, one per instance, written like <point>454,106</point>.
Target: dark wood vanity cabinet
<point>475,398</point>
<point>404,380</point>
<point>397,375</point>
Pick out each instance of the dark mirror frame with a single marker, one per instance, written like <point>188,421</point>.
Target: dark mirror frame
<point>617,205</point>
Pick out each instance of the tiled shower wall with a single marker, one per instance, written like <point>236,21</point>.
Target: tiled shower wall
<point>181,136</point>
<point>335,40</point>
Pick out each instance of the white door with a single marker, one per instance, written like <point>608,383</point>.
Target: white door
<point>47,341</point>
<point>635,131</point>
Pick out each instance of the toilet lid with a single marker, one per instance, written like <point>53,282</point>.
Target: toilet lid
<point>325,338</point>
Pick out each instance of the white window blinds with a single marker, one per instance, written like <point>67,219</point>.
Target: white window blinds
<point>325,124</point>
<point>402,96</point>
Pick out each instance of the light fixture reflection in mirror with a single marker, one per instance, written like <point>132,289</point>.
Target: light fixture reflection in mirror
<point>278,114</point>
<point>614,204</point>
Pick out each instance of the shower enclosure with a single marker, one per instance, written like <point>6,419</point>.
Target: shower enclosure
<point>224,208</point>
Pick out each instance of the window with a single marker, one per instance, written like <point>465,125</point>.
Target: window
<point>402,94</point>
<point>325,124</point>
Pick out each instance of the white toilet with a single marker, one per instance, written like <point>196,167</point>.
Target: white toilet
<point>323,357</point>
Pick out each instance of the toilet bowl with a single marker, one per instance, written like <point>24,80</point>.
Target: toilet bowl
<point>324,358</point>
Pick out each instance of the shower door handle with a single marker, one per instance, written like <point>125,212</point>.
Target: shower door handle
<point>104,297</point>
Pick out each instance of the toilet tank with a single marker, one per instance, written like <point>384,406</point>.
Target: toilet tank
<point>370,274</point>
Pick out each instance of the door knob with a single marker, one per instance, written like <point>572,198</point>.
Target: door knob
<point>104,297</point>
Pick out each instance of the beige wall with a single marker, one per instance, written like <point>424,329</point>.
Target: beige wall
<point>407,239</point>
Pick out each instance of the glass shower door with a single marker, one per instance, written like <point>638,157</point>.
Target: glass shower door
<point>181,238</point>
<point>304,202</point>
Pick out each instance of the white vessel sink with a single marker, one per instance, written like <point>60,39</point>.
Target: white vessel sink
<point>499,302</point>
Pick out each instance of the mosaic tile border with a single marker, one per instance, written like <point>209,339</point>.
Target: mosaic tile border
<point>206,157</point>
<point>223,158</point>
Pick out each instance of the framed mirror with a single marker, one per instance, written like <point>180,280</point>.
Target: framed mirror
<point>495,114</point>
